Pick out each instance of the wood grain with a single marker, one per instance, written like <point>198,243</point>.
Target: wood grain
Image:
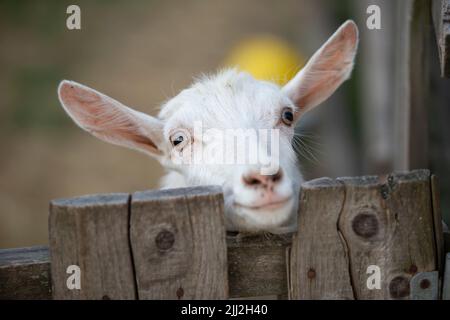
<point>413,84</point>
<point>319,266</point>
<point>388,224</point>
<point>178,243</point>
<point>25,273</point>
<point>179,248</point>
<point>441,19</point>
<point>437,221</point>
<point>349,224</point>
<point>257,268</point>
<point>92,233</point>
<point>257,265</point>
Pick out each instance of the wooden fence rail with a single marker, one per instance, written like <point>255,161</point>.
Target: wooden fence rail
<point>172,244</point>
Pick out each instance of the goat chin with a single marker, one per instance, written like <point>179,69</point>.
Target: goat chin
<point>282,219</point>
<point>278,219</point>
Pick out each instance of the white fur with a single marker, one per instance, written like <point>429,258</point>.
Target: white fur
<point>227,100</point>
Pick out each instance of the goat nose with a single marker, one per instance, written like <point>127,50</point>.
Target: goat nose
<point>259,180</point>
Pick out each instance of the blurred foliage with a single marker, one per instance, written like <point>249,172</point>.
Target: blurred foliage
<point>34,107</point>
<point>31,104</point>
<point>139,52</point>
<point>342,11</point>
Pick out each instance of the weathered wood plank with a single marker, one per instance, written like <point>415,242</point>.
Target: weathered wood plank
<point>389,224</point>
<point>377,85</point>
<point>441,19</point>
<point>257,265</point>
<point>345,225</point>
<point>92,232</point>
<point>446,280</point>
<point>413,82</point>
<point>25,273</point>
<point>178,243</point>
<point>256,268</point>
<point>446,237</point>
<point>437,221</point>
<point>318,261</point>
<point>349,224</point>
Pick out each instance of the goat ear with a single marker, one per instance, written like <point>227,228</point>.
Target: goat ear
<point>326,70</point>
<point>109,120</point>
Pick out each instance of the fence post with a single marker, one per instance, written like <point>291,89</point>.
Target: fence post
<point>178,244</point>
<point>441,19</point>
<point>318,261</point>
<point>413,84</point>
<point>91,232</point>
<point>387,224</point>
<point>25,273</point>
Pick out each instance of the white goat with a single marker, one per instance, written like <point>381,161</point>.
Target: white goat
<point>228,100</point>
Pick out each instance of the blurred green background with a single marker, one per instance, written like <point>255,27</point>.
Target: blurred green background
<point>142,53</point>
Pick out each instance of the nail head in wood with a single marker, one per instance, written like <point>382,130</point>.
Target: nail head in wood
<point>413,269</point>
<point>425,284</point>
<point>180,293</point>
<point>311,273</point>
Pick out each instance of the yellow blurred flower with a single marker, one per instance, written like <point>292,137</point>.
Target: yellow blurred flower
<point>266,58</point>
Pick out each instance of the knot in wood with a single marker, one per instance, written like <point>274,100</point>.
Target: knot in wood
<point>311,273</point>
<point>365,225</point>
<point>165,240</point>
<point>399,287</point>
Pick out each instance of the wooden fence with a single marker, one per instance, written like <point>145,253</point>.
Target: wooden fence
<point>172,244</point>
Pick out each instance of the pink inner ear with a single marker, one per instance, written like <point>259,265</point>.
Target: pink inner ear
<point>77,93</point>
<point>104,117</point>
<point>328,68</point>
<point>330,83</point>
<point>82,104</point>
<point>139,140</point>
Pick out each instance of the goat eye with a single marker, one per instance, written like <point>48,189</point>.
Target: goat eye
<point>287,116</point>
<point>178,138</point>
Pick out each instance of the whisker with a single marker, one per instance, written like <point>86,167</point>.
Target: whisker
<point>304,149</point>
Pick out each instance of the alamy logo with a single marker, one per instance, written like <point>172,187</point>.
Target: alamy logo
<point>258,147</point>
<point>73,22</point>
<point>374,280</point>
<point>373,22</point>
<point>74,280</point>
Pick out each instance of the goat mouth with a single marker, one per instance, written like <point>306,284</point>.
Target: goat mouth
<point>267,206</point>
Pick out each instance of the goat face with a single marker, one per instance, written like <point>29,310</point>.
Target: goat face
<point>229,129</point>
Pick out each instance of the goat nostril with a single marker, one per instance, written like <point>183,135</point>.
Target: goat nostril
<point>266,180</point>
<point>251,180</point>
<point>277,176</point>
